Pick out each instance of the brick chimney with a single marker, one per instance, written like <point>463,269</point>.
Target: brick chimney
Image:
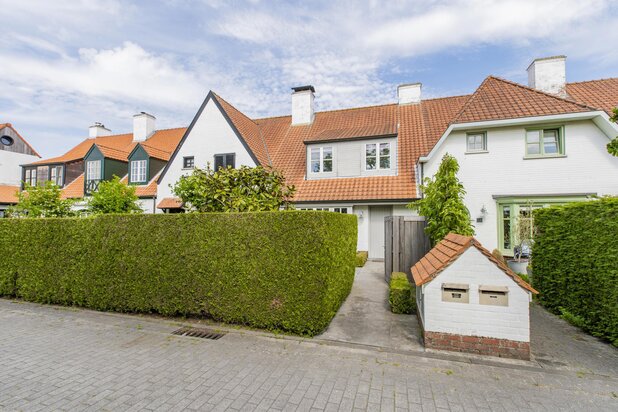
<point>548,74</point>
<point>409,93</point>
<point>143,126</point>
<point>303,111</point>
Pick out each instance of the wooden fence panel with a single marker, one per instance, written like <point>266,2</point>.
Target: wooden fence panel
<point>405,243</point>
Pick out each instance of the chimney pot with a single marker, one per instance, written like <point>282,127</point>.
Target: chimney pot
<point>409,93</point>
<point>303,111</point>
<point>548,75</point>
<point>98,129</point>
<point>143,126</point>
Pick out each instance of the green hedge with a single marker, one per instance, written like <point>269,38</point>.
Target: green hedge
<point>401,294</point>
<point>361,258</point>
<point>286,271</point>
<point>575,263</point>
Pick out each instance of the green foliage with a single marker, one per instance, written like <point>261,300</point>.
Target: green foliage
<point>575,264</point>
<point>361,258</point>
<point>113,196</point>
<point>245,189</point>
<point>612,147</point>
<point>42,201</point>
<point>443,203</point>
<point>285,270</point>
<point>572,319</point>
<point>402,297</point>
<point>525,278</point>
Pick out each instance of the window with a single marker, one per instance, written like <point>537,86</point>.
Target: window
<point>321,159</point>
<point>224,160</point>
<point>477,142</point>
<point>377,156</point>
<point>188,162</point>
<point>328,209</point>
<point>7,140</point>
<point>138,171</point>
<point>56,175</point>
<point>93,170</point>
<point>544,142</point>
<point>30,177</point>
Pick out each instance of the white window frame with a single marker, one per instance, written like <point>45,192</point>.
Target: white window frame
<point>378,156</point>
<point>56,175</point>
<point>320,152</point>
<point>93,166</point>
<point>483,148</point>
<point>138,171</point>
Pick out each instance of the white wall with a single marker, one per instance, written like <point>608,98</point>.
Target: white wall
<point>148,205</point>
<point>210,135</point>
<point>10,170</point>
<point>503,322</point>
<point>363,227</point>
<point>586,168</point>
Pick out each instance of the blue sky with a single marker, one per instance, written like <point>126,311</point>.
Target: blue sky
<point>66,64</point>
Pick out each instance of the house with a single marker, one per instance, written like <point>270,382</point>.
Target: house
<point>14,150</point>
<point>469,301</point>
<point>537,144</point>
<point>138,158</point>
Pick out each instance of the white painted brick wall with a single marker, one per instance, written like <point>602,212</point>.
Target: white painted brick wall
<point>503,322</point>
<point>587,167</point>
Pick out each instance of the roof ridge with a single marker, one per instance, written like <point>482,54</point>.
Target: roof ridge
<point>235,108</point>
<point>592,81</point>
<point>331,111</point>
<point>469,101</point>
<point>22,138</point>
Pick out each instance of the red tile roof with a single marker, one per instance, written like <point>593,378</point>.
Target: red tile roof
<point>596,93</point>
<point>75,189</point>
<point>170,203</point>
<point>447,251</point>
<point>8,194</point>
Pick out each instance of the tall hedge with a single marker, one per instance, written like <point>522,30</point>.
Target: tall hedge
<point>575,263</point>
<point>278,270</point>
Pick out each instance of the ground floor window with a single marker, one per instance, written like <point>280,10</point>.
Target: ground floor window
<point>329,209</point>
<point>516,222</point>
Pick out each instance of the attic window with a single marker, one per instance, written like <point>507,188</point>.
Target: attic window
<point>225,160</point>
<point>7,140</point>
<point>188,162</point>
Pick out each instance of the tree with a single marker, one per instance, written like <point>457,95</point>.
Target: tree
<point>246,189</point>
<point>442,203</point>
<point>113,196</point>
<point>612,147</point>
<point>42,201</point>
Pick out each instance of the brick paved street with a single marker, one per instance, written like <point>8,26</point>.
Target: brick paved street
<point>55,358</point>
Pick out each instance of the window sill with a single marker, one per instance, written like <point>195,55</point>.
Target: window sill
<point>477,152</point>
<point>187,168</point>
<point>544,157</point>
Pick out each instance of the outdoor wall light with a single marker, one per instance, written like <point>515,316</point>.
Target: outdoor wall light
<point>484,211</point>
<point>360,214</point>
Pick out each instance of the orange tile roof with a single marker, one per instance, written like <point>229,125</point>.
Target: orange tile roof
<point>146,190</point>
<point>113,153</point>
<point>8,194</point>
<point>170,203</point>
<point>596,93</point>
<point>447,251</point>
<point>75,189</point>
<point>3,125</point>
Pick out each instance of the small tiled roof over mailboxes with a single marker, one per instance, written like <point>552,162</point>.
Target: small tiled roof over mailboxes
<point>447,251</point>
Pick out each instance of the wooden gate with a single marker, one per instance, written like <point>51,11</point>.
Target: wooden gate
<point>405,243</point>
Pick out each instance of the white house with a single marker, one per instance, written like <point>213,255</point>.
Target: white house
<point>468,301</point>
<point>14,151</point>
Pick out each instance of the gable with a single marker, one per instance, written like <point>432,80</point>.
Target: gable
<point>138,153</point>
<point>94,153</point>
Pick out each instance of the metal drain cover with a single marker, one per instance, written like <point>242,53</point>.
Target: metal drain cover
<point>198,333</point>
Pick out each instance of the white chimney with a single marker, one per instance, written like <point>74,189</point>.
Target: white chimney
<point>409,93</point>
<point>98,130</point>
<point>143,126</point>
<point>548,75</point>
<point>302,105</point>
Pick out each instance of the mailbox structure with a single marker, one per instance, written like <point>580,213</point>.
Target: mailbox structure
<point>469,301</point>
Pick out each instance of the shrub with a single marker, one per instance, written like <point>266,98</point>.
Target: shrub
<point>575,265</point>
<point>114,196</point>
<point>42,201</point>
<point>401,295</point>
<point>361,258</point>
<point>286,271</point>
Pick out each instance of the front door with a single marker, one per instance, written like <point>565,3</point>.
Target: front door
<point>376,230</point>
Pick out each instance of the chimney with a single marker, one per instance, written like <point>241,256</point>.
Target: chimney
<point>409,93</point>
<point>302,105</point>
<point>98,130</point>
<point>143,126</point>
<point>548,75</point>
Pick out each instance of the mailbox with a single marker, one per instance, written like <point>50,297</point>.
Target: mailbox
<point>455,292</point>
<point>494,295</point>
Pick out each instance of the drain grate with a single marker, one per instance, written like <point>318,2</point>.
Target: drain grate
<point>198,333</point>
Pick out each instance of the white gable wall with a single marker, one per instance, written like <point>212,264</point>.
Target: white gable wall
<point>503,322</point>
<point>587,168</point>
<point>10,162</point>
<point>211,134</point>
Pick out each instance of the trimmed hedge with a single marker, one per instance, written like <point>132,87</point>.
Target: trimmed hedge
<point>286,271</point>
<point>401,295</point>
<point>575,261</point>
<point>361,258</point>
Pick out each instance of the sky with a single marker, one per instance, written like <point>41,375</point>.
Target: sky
<point>65,64</point>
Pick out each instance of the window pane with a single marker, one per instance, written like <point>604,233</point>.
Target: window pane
<point>506,226</point>
<point>315,166</point>
<point>328,153</point>
<point>328,165</point>
<point>315,154</point>
<point>229,160</point>
<point>385,162</point>
<point>370,150</point>
<point>385,149</point>
<point>550,141</point>
<point>533,148</point>
<point>218,162</point>
<point>370,163</point>
<point>533,136</point>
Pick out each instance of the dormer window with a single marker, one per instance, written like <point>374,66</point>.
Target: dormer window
<point>56,175</point>
<point>138,171</point>
<point>30,177</point>
<point>321,159</point>
<point>377,156</point>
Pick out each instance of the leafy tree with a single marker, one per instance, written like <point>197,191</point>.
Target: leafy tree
<point>612,147</point>
<point>246,189</point>
<point>42,201</point>
<point>442,203</point>
<point>113,196</point>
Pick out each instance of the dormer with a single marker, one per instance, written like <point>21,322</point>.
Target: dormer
<point>102,163</point>
<point>145,162</point>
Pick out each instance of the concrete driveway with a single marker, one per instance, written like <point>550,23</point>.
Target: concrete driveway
<point>365,317</point>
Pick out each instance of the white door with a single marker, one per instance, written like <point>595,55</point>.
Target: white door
<point>376,230</point>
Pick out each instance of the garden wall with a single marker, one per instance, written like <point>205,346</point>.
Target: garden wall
<point>287,270</point>
<point>575,264</point>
